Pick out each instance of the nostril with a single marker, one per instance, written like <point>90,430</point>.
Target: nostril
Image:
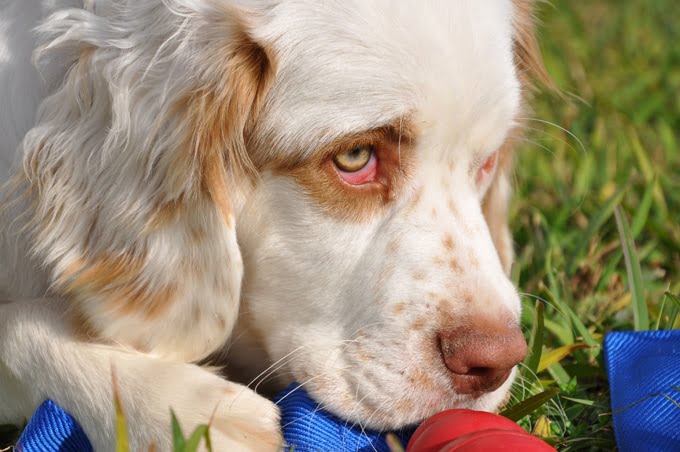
<point>479,371</point>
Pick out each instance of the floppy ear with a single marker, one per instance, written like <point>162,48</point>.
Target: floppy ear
<point>135,165</point>
<point>530,69</point>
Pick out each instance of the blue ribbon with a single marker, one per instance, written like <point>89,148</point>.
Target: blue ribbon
<point>644,375</point>
<point>644,378</point>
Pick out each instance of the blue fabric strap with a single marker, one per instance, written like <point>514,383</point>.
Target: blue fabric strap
<point>642,366</point>
<point>52,429</point>
<point>644,374</point>
<point>311,429</point>
<point>304,425</point>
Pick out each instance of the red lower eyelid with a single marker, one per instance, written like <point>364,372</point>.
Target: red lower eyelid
<point>487,167</point>
<point>366,174</point>
<point>490,163</point>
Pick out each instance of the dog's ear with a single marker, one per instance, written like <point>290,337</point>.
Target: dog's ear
<point>528,58</point>
<point>531,72</point>
<point>134,166</point>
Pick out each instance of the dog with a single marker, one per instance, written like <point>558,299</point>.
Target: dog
<point>291,190</point>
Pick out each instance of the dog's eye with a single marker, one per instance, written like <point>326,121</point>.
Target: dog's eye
<point>355,159</point>
<point>357,166</point>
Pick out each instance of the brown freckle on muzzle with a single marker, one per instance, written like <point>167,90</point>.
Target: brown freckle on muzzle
<point>418,324</point>
<point>420,379</point>
<point>455,266</point>
<point>398,308</point>
<point>453,208</point>
<point>392,246</point>
<point>448,242</point>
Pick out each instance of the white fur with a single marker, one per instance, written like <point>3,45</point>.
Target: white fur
<point>318,292</point>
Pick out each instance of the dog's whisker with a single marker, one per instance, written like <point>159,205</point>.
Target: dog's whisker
<point>550,135</point>
<point>363,429</point>
<point>568,132</point>
<point>281,362</point>
<point>276,363</point>
<point>537,144</point>
<point>355,405</point>
<point>309,380</point>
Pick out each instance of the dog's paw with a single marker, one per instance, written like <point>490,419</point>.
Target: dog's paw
<point>245,421</point>
<point>239,419</point>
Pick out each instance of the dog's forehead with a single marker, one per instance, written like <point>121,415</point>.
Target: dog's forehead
<point>348,65</point>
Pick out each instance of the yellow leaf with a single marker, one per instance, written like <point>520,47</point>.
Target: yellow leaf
<point>542,427</point>
<point>557,355</point>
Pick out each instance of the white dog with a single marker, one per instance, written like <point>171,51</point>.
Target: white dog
<point>304,190</point>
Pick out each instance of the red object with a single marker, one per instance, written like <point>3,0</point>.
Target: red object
<point>473,431</point>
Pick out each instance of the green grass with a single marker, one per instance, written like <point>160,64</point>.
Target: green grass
<point>596,218</point>
<point>597,214</point>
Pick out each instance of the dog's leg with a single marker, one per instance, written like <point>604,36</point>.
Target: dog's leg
<point>41,357</point>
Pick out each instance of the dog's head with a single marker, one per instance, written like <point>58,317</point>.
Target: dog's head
<point>342,164</point>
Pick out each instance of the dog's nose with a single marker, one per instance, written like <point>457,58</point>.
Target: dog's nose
<point>481,357</point>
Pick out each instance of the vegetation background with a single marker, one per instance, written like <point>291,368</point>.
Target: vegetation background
<point>607,151</point>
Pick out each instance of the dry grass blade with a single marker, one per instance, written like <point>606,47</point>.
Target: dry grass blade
<point>122,444</point>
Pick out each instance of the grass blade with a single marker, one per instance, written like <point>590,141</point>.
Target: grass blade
<point>647,169</point>
<point>672,317</point>
<point>640,314</point>
<point>393,443</point>
<point>178,442</point>
<point>643,209</point>
<point>528,406</point>
<point>194,440</point>
<point>557,355</point>
<point>598,220</point>
<point>122,443</point>
<point>536,340</point>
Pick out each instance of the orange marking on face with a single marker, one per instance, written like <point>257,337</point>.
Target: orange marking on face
<point>455,266</point>
<point>454,210</point>
<point>363,356</point>
<point>420,379</point>
<point>392,246</point>
<point>418,275</point>
<point>443,304</point>
<point>404,405</point>
<point>448,242</point>
<point>418,324</point>
<point>398,308</point>
<point>319,177</point>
